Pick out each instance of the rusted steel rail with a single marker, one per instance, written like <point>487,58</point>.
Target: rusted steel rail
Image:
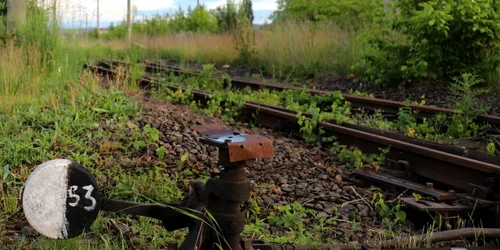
<point>388,107</point>
<point>472,176</point>
<point>402,243</point>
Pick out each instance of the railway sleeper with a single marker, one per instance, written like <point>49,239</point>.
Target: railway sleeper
<point>441,206</point>
<point>462,170</point>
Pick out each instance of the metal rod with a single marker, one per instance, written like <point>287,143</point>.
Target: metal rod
<point>129,21</point>
<point>98,32</point>
<point>450,235</point>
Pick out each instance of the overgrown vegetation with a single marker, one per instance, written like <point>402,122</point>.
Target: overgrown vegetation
<point>50,109</point>
<point>227,103</point>
<point>407,43</point>
<point>341,12</point>
<point>416,41</point>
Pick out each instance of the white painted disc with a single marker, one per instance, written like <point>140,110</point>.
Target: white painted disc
<point>44,198</point>
<point>60,199</point>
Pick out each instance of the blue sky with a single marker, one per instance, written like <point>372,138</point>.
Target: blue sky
<point>115,10</point>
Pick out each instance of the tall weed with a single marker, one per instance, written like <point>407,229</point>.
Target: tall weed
<point>305,49</point>
<point>287,49</point>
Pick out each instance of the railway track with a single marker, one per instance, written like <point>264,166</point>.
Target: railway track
<point>389,108</point>
<point>449,179</point>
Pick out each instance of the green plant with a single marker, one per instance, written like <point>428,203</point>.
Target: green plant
<point>466,89</point>
<point>343,11</point>
<point>416,196</point>
<point>206,81</point>
<point>493,147</point>
<point>419,39</point>
<point>160,152</point>
<point>392,215</point>
<point>144,138</point>
<point>227,18</point>
<point>376,120</point>
<point>200,19</point>
<point>292,217</point>
<point>151,185</point>
<point>353,157</point>
<point>183,159</point>
<point>244,40</point>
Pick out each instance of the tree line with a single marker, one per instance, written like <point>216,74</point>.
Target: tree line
<point>198,19</point>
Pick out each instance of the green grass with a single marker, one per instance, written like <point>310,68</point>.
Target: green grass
<point>50,109</point>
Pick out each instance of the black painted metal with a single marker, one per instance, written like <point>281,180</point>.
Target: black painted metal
<point>85,194</point>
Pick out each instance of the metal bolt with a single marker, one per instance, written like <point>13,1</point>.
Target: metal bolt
<point>429,185</point>
<point>233,225</point>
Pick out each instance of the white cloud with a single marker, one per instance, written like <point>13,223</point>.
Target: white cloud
<point>262,21</point>
<point>265,5</point>
<point>213,5</point>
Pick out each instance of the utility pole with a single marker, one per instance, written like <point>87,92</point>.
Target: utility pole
<point>129,21</point>
<point>16,15</point>
<point>54,16</point>
<point>98,34</point>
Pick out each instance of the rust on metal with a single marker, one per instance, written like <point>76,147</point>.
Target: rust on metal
<point>223,196</point>
<point>254,147</point>
<point>430,206</point>
<point>427,162</point>
<point>403,184</point>
<point>241,147</point>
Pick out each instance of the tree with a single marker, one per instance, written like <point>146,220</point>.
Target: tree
<point>178,21</point>
<point>333,10</point>
<point>200,20</point>
<point>3,7</point>
<point>226,16</point>
<point>247,5</point>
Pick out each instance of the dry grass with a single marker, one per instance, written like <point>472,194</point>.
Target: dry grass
<point>26,78</point>
<point>298,48</point>
<point>16,66</point>
<point>288,48</point>
<point>218,49</point>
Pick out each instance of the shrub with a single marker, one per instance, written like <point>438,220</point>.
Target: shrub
<point>227,16</point>
<point>436,40</point>
<point>344,11</point>
<point>200,20</point>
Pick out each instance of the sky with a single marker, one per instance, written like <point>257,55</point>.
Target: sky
<point>115,10</point>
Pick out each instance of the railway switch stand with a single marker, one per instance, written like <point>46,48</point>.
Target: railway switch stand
<point>61,199</point>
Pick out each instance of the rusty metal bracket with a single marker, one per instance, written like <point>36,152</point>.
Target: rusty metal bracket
<point>222,197</point>
<point>234,146</point>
